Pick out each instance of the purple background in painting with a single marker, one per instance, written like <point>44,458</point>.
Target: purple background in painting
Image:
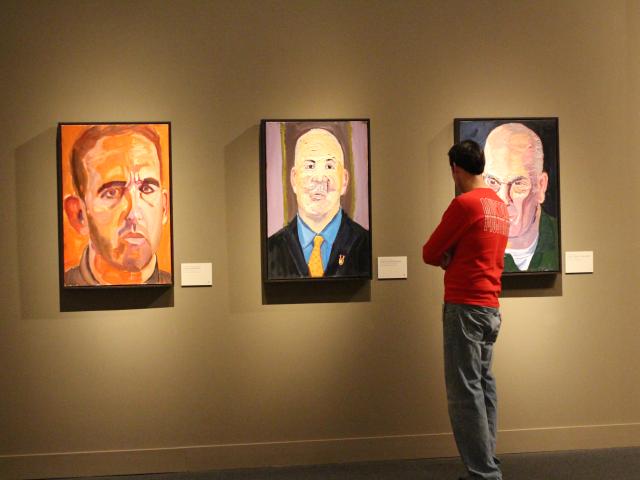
<point>360,147</point>
<point>275,206</point>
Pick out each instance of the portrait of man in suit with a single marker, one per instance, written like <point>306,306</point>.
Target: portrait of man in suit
<point>116,205</point>
<point>320,239</point>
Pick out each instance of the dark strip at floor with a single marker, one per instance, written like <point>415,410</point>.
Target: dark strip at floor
<point>614,464</point>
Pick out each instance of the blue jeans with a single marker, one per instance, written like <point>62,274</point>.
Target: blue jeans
<point>469,334</point>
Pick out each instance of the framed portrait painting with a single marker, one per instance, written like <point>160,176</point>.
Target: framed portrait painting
<point>522,167</point>
<point>114,197</point>
<point>316,209</point>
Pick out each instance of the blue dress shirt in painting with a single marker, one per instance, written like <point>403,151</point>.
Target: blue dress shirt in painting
<point>328,233</point>
<point>346,250</point>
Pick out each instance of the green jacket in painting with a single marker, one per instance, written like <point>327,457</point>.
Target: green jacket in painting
<point>546,258</point>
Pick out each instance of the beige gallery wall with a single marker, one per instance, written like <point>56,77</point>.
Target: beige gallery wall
<point>236,376</point>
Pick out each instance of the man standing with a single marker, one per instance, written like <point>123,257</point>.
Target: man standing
<point>119,203</point>
<point>321,240</point>
<point>514,170</point>
<point>469,245</point>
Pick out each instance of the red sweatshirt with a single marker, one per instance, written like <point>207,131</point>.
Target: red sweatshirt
<point>474,229</point>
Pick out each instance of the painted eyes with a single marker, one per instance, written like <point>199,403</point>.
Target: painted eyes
<point>111,193</point>
<point>147,188</point>
<point>492,182</point>
<point>518,186</point>
<point>311,165</point>
<point>116,192</point>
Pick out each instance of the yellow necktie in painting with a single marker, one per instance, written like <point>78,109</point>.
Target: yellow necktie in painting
<point>315,260</point>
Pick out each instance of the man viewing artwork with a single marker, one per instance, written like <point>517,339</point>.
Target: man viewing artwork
<point>519,172</point>
<point>116,200</point>
<point>469,245</point>
<point>317,182</point>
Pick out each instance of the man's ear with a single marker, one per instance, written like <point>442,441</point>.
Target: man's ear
<point>165,206</point>
<point>543,183</point>
<point>345,181</point>
<point>77,214</point>
<point>292,179</point>
<point>454,171</point>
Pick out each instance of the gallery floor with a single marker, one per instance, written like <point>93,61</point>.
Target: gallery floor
<point>618,464</point>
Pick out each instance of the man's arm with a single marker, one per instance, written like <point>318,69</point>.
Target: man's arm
<point>438,250</point>
<point>446,259</point>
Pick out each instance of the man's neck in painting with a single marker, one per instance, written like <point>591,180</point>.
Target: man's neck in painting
<point>529,237</point>
<point>107,274</point>
<point>318,224</point>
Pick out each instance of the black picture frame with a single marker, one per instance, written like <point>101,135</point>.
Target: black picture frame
<point>63,148</point>
<point>282,255</point>
<point>547,257</point>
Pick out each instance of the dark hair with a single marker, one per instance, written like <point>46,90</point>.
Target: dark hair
<point>468,156</point>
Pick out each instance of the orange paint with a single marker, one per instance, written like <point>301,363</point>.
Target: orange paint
<point>74,242</point>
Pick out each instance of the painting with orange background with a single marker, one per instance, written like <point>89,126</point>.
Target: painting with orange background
<point>115,202</point>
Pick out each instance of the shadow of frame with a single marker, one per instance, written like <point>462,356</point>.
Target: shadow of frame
<point>338,291</point>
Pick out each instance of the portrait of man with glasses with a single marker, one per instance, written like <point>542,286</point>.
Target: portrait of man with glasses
<point>518,170</point>
<point>514,170</point>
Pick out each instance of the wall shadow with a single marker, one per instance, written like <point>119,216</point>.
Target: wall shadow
<point>243,220</point>
<point>338,291</point>
<point>40,245</point>
<point>127,298</point>
<point>537,285</point>
<point>245,191</point>
<point>36,224</point>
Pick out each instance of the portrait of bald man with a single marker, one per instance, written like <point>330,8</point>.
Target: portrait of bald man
<point>521,166</point>
<point>317,196</point>
<point>115,197</point>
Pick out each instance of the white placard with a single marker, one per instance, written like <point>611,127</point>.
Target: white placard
<point>579,262</point>
<point>196,274</point>
<point>392,267</point>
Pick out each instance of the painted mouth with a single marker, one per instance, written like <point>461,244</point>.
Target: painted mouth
<point>318,196</point>
<point>134,239</point>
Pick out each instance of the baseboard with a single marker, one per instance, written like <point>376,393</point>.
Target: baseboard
<point>250,455</point>
<point>569,438</point>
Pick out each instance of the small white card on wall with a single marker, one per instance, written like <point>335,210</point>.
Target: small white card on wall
<point>196,274</point>
<point>392,267</point>
<point>579,262</point>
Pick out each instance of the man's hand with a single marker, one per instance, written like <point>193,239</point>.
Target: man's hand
<point>446,260</point>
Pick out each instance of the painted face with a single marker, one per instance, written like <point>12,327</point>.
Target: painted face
<point>318,177</point>
<point>125,203</point>
<point>510,171</point>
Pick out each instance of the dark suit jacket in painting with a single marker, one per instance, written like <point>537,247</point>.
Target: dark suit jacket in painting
<point>350,255</point>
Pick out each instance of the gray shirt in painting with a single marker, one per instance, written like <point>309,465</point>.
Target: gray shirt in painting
<point>81,275</point>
